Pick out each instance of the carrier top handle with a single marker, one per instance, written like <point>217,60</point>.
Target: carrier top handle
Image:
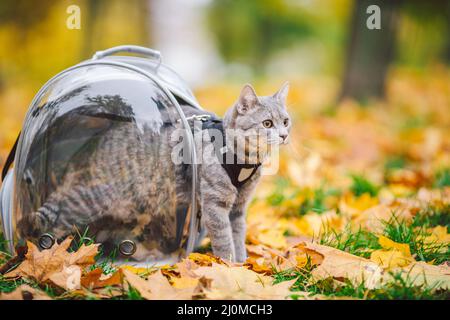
<point>130,49</point>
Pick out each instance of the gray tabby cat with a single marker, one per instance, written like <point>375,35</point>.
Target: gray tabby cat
<point>223,205</point>
<point>129,188</point>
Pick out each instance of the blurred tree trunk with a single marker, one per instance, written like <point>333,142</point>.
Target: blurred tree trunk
<point>369,52</point>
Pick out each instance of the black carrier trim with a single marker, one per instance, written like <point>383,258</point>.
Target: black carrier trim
<point>10,158</point>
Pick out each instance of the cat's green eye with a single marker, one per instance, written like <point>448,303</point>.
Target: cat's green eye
<point>286,122</point>
<point>267,123</point>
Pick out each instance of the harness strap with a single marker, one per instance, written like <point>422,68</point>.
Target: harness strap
<point>239,173</point>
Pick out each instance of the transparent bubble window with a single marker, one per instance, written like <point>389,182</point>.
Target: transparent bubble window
<point>93,161</point>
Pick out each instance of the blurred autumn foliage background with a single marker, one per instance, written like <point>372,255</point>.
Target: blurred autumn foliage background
<point>322,47</point>
<point>371,108</point>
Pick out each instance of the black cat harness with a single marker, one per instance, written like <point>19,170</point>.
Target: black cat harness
<point>239,173</point>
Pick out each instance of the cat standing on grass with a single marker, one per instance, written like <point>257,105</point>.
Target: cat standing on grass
<point>128,187</point>
<point>223,205</point>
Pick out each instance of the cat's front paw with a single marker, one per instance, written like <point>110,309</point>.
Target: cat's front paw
<point>228,255</point>
<point>241,257</point>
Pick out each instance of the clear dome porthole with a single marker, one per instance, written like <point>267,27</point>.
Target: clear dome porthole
<point>93,160</point>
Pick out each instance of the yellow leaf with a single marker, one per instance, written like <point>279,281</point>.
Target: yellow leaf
<point>438,235</point>
<point>387,243</point>
<point>273,238</point>
<point>204,259</point>
<point>389,259</point>
<point>353,205</point>
<point>136,270</point>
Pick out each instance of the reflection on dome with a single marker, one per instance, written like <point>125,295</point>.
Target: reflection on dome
<point>94,160</point>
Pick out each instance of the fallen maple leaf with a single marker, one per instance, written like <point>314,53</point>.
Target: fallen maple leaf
<point>204,259</point>
<point>263,259</point>
<point>341,265</point>
<point>394,254</point>
<point>387,243</point>
<point>389,259</point>
<point>157,287</point>
<point>56,264</point>
<point>84,256</point>
<point>185,267</point>
<point>185,282</point>
<point>421,273</point>
<point>69,278</point>
<point>95,279</point>
<point>241,283</point>
<point>41,264</point>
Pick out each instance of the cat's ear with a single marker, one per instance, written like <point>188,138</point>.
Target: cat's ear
<point>247,100</point>
<point>282,94</point>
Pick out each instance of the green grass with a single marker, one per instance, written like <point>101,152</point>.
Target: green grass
<point>9,285</point>
<point>432,217</point>
<point>317,202</point>
<point>361,185</point>
<point>397,162</point>
<point>3,245</point>
<point>413,234</point>
<point>360,243</point>
<point>442,178</point>
<point>277,197</point>
<point>399,288</point>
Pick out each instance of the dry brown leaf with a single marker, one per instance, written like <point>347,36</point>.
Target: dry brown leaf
<point>68,278</point>
<point>241,283</point>
<point>157,287</point>
<point>56,264</point>
<point>302,254</point>
<point>41,264</point>
<point>185,282</point>
<point>263,259</point>
<point>25,292</point>
<point>185,267</point>
<point>421,273</point>
<point>95,279</point>
<point>84,256</point>
<point>342,265</point>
